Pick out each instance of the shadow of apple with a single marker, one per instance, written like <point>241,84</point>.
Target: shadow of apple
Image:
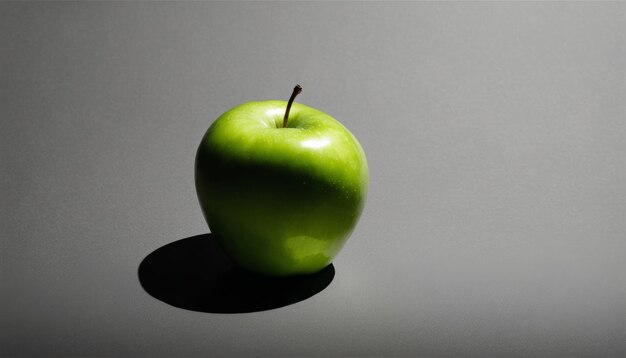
<point>195,274</point>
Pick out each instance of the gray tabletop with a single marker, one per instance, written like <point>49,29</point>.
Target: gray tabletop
<point>496,140</point>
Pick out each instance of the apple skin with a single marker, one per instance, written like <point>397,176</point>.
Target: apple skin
<point>280,201</point>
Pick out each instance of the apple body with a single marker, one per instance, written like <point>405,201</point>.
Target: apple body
<point>280,201</point>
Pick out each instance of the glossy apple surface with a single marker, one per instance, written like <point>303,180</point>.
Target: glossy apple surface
<point>280,201</point>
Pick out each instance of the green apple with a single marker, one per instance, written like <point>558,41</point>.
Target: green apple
<point>281,185</point>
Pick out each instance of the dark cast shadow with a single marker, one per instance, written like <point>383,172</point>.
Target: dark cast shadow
<point>195,274</point>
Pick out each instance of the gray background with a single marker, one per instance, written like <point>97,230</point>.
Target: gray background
<point>495,134</point>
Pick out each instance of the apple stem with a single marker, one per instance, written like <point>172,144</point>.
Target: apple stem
<point>296,91</point>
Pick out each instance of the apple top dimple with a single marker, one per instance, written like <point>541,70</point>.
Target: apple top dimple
<point>273,117</point>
